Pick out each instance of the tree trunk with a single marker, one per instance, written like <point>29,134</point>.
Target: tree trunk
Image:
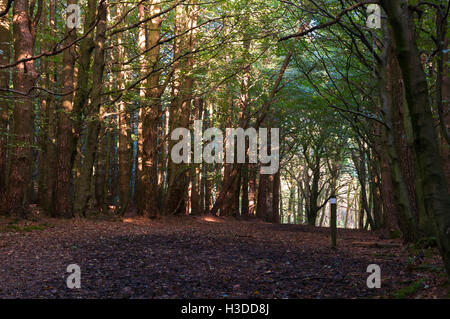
<point>434,182</point>
<point>276,198</point>
<point>83,185</point>
<point>123,130</point>
<point>102,166</point>
<point>196,171</point>
<point>15,200</point>
<point>261,204</point>
<point>252,190</point>
<point>186,19</point>
<point>49,122</point>
<point>65,141</point>
<point>149,192</point>
<point>5,75</point>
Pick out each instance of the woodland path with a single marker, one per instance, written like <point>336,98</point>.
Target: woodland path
<point>202,257</point>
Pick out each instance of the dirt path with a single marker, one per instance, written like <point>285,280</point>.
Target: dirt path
<point>202,258</point>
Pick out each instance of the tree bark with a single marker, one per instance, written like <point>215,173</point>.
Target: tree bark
<point>180,110</point>
<point>148,204</point>
<point>65,141</point>
<point>83,190</point>
<point>434,182</point>
<point>124,149</point>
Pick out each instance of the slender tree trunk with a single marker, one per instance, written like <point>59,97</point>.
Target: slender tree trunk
<point>86,47</point>
<point>261,204</point>
<point>196,176</point>
<point>142,43</point>
<point>207,170</point>
<point>348,202</point>
<point>269,199</point>
<point>434,182</point>
<point>300,210</point>
<point>186,19</point>
<point>323,210</point>
<point>123,130</point>
<point>245,209</point>
<point>49,154</point>
<point>388,85</point>
<point>252,189</point>
<point>101,168</point>
<point>276,198</point>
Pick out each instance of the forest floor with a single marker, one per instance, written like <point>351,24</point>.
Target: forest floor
<point>207,257</point>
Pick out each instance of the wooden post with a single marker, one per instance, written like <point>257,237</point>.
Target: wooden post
<point>333,221</point>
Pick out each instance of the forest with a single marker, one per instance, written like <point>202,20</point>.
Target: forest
<point>155,142</point>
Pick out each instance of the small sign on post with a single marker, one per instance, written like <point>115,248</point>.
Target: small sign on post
<point>333,220</point>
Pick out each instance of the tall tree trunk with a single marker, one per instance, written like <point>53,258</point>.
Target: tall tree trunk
<point>348,202</point>
<point>196,175</point>
<point>434,182</point>
<point>123,130</point>
<point>389,85</point>
<point>276,198</point>
<point>291,204</point>
<point>66,148</point>
<point>86,47</point>
<point>443,100</point>
<point>251,189</point>
<point>83,185</point>
<point>101,168</point>
<point>245,194</point>
<point>360,165</point>
<point>142,43</point>
<point>5,76</point>
<point>207,169</point>
<point>300,210</point>
<point>390,209</point>
<point>180,110</point>
<point>148,204</point>
<point>312,208</point>
<point>65,141</point>
<point>15,200</point>
<point>261,204</point>
<point>48,114</point>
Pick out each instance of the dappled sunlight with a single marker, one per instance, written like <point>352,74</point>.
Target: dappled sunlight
<point>211,219</point>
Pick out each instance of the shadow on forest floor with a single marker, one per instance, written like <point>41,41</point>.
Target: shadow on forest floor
<point>206,257</point>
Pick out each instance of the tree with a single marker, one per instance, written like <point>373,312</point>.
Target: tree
<point>5,48</point>
<point>425,140</point>
<point>16,198</point>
